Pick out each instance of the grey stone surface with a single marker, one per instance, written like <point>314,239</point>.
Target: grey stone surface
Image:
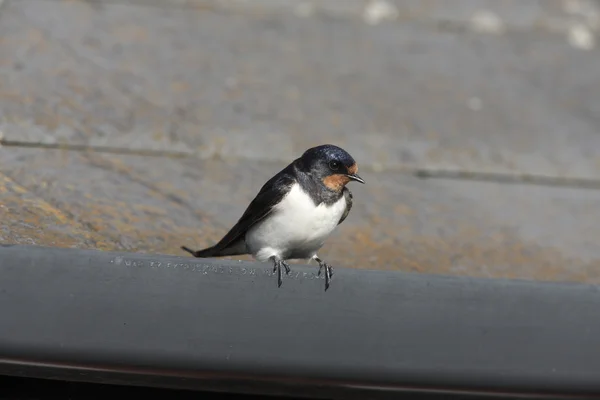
<point>512,14</point>
<point>267,86</point>
<point>228,93</point>
<point>398,222</point>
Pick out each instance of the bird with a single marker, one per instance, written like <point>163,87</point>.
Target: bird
<point>294,212</point>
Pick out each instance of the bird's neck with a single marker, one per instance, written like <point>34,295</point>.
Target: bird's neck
<point>316,189</point>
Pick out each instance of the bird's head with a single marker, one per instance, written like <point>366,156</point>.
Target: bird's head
<point>332,165</point>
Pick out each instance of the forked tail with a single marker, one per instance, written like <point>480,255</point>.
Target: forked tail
<point>205,253</point>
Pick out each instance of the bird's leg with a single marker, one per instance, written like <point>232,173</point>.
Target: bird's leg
<point>277,264</point>
<point>328,271</point>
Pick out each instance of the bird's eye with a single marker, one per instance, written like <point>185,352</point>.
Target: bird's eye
<point>334,165</point>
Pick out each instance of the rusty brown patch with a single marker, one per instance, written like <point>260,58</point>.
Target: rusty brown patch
<point>362,247</point>
<point>353,169</point>
<point>52,209</point>
<point>163,189</point>
<point>336,182</point>
<point>28,219</point>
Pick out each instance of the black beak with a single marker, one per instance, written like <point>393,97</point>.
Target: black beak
<point>356,178</point>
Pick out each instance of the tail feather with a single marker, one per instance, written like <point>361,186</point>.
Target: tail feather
<point>234,249</point>
<point>204,253</point>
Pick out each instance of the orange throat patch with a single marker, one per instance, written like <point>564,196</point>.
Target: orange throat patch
<point>336,182</point>
<point>353,169</point>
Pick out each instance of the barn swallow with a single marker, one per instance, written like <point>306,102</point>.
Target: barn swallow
<point>294,212</point>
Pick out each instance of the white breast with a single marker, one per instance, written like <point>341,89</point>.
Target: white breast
<point>296,228</point>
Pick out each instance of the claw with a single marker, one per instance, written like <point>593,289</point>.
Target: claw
<point>328,274</point>
<point>277,264</point>
<point>279,278</point>
<point>328,271</point>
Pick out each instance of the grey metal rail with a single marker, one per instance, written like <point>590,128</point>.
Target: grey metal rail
<point>180,322</point>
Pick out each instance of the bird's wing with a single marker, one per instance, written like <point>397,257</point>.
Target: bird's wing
<point>348,196</point>
<point>269,195</point>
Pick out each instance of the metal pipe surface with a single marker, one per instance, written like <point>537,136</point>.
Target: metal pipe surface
<point>181,322</point>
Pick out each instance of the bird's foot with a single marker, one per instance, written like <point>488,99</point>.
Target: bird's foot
<point>328,271</point>
<point>277,264</point>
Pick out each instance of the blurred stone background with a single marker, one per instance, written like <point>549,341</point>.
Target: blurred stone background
<point>142,125</point>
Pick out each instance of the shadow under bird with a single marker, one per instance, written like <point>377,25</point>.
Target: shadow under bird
<point>294,212</point>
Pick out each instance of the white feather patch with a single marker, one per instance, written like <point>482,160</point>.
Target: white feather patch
<point>295,228</point>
